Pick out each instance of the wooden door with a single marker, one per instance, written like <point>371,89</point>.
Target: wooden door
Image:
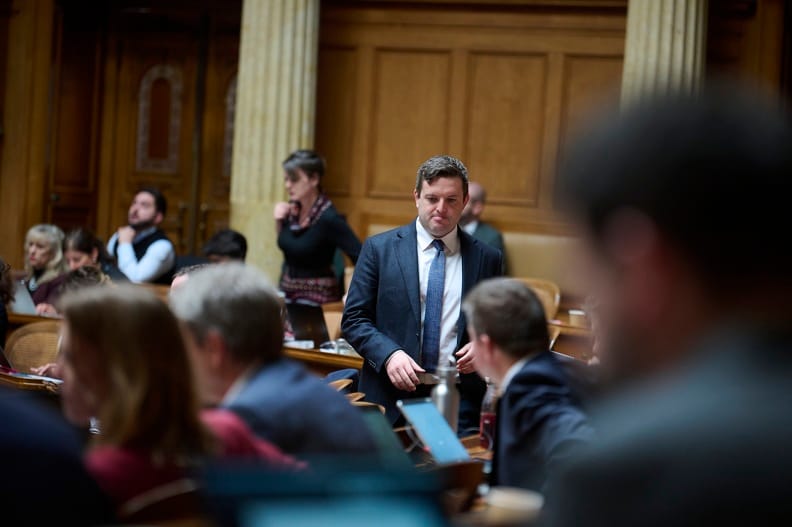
<point>70,193</point>
<point>214,182</point>
<point>154,122</point>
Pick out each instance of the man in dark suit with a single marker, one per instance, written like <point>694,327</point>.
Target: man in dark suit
<point>233,329</point>
<point>685,207</point>
<point>44,480</point>
<point>471,221</point>
<point>539,418</point>
<point>429,262</point>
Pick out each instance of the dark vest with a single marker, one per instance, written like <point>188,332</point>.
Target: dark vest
<point>141,246</point>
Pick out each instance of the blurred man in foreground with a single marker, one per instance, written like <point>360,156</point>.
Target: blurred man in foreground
<point>684,209</point>
<point>233,328</point>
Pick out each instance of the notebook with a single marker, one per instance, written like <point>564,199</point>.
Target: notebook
<point>432,429</point>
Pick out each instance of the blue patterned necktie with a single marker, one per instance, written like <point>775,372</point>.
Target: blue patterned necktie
<point>433,313</point>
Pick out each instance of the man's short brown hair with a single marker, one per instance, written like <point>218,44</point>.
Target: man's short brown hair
<point>509,313</point>
<point>442,166</point>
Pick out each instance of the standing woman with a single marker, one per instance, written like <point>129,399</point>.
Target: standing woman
<point>309,232</point>
<point>83,248</point>
<point>45,266</point>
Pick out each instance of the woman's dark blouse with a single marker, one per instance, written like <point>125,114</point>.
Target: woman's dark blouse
<point>309,253</point>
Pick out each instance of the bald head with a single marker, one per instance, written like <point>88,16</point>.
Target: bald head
<point>475,206</point>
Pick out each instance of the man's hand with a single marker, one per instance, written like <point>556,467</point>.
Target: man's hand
<point>126,234</point>
<point>401,371</point>
<point>466,359</point>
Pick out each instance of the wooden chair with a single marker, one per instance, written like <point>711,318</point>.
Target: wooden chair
<point>34,344</point>
<point>162,291</point>
<point>548,292</point>
<point>175,503</point>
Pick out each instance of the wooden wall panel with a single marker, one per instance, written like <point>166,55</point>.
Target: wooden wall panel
<point>505,130</point>
<point>337,95</point>
<point>591,84</point>
<point>498,87</point>
<point>409,116</point>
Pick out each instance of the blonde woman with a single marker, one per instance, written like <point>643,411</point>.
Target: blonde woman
<point>45,266</point>
<point>124,363</point>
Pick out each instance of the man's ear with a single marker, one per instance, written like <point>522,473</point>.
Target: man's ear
<point>487,347</point>
<point>417,197</point>
<point>158,218</point>
<point>216,350</point>
<point>642,257</point>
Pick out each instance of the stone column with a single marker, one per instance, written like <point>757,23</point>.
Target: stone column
<point>275,114</point>
<point>664,48</point>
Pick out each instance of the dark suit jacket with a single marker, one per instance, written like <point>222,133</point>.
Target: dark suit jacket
<point>708,445</point>
<point>294,409</point>
<point>383,312</point>
<point>44,480</point>
<point>540,422</point>
<point>489,235</point>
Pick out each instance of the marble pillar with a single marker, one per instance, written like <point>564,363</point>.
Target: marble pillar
<point>664,48</point>
<point>275,114</point>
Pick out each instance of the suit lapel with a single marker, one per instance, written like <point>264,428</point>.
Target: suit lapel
<point>471,262</point>
<point>407,258</point>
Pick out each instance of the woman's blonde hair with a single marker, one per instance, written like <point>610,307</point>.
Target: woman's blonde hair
<point>53,237</point>
<point>147,399</point>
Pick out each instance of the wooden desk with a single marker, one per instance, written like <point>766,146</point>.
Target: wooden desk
<point>322,363</point>
<point>574,341</point>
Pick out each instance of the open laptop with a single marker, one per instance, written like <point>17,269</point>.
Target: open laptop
<point>23,302</point>
<point>307,322</point>
<point>432,429</point>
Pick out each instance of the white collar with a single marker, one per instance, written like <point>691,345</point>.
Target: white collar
<point>145,232</point>
<point>471,227</point>
<point>238,386</point>
<point>451,240</point>
<point>511,373</point>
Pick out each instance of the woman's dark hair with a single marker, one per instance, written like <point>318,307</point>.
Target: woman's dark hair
<point>85,241</point>
<point>6,283</point>
<point>306,160</point>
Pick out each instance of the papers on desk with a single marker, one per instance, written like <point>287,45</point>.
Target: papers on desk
<point>299,344</point>
<point>31,377</point>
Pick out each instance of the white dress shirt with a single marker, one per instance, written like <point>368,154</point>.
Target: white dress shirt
<point>452,289</point>
<point>159,258</point>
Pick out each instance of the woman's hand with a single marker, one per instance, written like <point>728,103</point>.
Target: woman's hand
<point>46,310</point>
<point>282,210</point>
<point>48,370</point>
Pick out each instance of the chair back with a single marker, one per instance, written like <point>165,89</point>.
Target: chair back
<point>33,344</point>
<point>177,502</point>
<point>548,292</point>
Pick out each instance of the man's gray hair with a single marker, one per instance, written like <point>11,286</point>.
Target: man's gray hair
<point>239,303</point>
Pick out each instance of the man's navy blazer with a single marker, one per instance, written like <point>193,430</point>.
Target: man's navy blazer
<point>287,405</point>
<point>383,312</point>
<point>540,423</point>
